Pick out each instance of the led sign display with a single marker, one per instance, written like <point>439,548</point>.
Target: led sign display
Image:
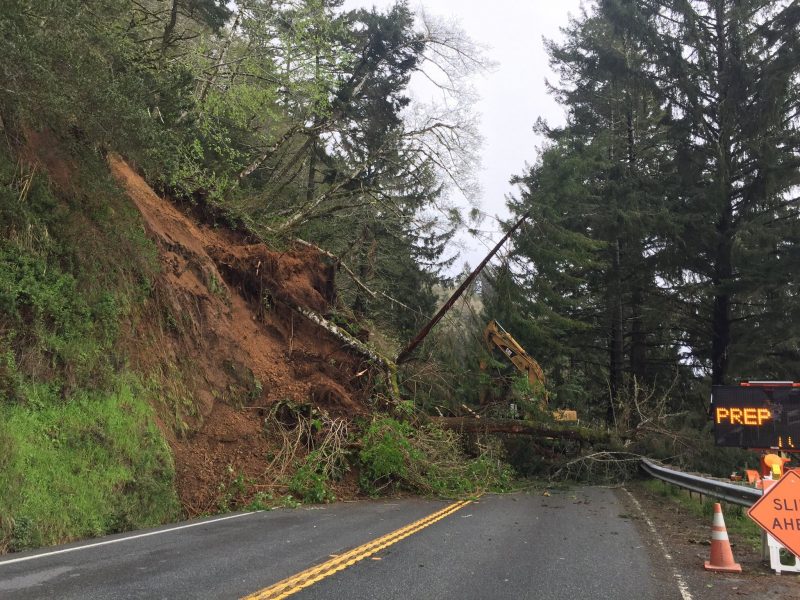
<point>756,416</point>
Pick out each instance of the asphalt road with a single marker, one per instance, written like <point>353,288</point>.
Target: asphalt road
<point>572,544</point>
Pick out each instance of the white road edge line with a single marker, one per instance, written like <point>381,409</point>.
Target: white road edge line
<point>125,539</point>
<point>682,587</point>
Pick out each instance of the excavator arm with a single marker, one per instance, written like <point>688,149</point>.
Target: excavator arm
<point>496,337</point>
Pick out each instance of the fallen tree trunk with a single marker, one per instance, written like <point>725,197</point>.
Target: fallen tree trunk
<point>256,271</point>
<point>519,427</point>
<point>355,345</point>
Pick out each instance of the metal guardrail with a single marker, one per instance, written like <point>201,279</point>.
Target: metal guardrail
<point>729,492</point>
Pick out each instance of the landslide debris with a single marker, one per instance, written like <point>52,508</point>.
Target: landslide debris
<point>222,313</point>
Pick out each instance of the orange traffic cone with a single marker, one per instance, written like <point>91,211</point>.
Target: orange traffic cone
<point>721,553</point>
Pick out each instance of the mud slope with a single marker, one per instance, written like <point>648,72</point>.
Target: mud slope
<point>228,303</point>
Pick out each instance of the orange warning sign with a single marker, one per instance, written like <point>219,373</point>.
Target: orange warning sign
<point>778,511</point>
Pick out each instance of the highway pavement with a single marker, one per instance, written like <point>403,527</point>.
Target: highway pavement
<point>572,544</point>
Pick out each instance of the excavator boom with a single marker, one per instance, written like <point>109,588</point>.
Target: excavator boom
<point>496,337</point>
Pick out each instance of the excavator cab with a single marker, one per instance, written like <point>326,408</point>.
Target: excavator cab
<point>494,336</point>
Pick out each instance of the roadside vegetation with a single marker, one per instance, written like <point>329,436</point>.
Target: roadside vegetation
<point>317,456</point>
<point>736,520</point>
<point>81,455</point>
<point>92,465</point>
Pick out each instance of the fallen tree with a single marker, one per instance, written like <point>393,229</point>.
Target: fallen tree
<point>355,345</point>
<point>530,428</point>
<point>308,291</point>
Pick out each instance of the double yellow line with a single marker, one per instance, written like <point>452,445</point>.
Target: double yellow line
<point>304,579</point>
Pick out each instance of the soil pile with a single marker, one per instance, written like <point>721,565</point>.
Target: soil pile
<point>228,305</point>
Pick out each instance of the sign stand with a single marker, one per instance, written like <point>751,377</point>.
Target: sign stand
<point>775,548</point>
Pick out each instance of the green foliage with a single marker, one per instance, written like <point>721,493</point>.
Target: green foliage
<point>428,459</point>
<point>386,452</point>
<point>309,482</point>
<point>447,471</point>
<point>290,116</point>
<point>260,501</point>
<point>231,491</point>
<point>69,275</point>
<point>81,455</point>
<point>287,115</point>
<point>9,376</point>
<point>344,322</point>
<point>74,66</point>
<point>660,255</point>
<point>68,333</point>
<point>94,465</point>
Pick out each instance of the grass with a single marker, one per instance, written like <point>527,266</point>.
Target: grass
<point>736,520</point>
<point>94,465</point>
<point>80,454</point>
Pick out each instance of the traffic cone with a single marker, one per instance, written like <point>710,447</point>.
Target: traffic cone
<point>721,553</point>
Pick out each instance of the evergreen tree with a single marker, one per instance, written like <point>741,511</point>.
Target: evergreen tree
<point>730,70</point>
<point>598,198</point>
<point>665,212</point>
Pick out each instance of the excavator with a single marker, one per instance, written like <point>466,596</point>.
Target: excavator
<point>495,336</point>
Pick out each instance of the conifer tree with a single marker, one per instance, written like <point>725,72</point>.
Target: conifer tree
<point>730,71</point>
<point>665,211</point>
<point>598,196</point>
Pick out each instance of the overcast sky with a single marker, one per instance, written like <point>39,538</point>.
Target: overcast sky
<point>512,97</point>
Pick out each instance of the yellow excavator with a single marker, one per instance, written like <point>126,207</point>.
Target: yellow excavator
<point>496,337</point>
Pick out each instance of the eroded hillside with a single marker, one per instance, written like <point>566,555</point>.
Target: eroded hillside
<point>223,310</point>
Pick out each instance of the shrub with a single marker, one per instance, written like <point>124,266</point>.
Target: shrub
<point>309,482</point>
<point>428,460</point>
<point>386,453</point>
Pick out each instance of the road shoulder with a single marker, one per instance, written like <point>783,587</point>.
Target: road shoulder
<point>686,537</point>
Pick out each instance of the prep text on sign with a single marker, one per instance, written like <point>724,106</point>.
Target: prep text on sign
<point>756,416</point>
<point>742,416</point>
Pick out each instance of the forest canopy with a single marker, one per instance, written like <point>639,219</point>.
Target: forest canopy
<point>663,242</point>
<point>294,116</point>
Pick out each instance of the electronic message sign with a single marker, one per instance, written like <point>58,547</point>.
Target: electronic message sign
<point>757,415</point>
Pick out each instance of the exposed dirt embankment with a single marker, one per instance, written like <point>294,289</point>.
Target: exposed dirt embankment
<point>221,312</point>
